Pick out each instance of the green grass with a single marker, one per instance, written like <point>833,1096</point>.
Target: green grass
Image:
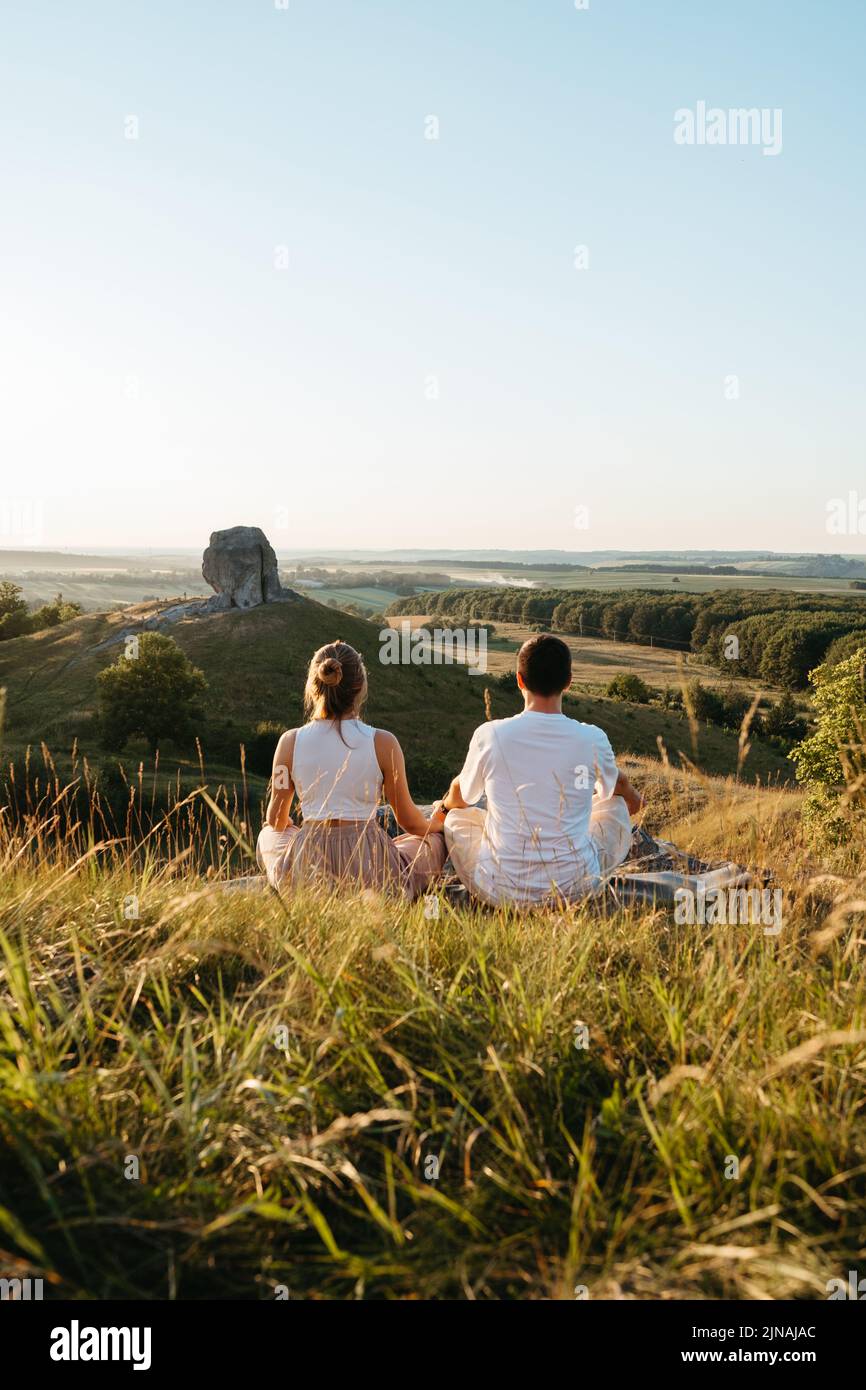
<point>302,1158</point>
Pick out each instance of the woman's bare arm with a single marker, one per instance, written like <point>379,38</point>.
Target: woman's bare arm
<point>282,786</point>
<point>389,755</point>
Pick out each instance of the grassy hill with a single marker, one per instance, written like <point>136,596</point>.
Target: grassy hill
<point>255,662</point>
<point>342,1097</point>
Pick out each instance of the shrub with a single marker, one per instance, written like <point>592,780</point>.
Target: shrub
<point>16,619</point>
<point>782,722</point>
<point>832,761</point>
<point>152,692</point>
<point>627,686</point>
<point>428,777</point>
<point>703,702</point>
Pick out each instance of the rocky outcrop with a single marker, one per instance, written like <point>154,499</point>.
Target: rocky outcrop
<point>241,566</point>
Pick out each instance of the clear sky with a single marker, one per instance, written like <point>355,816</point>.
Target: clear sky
<point>284,305</point>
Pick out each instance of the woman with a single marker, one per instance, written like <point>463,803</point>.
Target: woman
<point>338,766</point>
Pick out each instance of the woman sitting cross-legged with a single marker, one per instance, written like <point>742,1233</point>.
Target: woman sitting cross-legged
<point>338,767</point>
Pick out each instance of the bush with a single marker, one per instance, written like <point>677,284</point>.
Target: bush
<point>782,722</point>
<point>627,686</point>
<point>54,613</point>
<point>152,691</point>
<point>16,619</point>
<point>702,702</point>
<point>832,761</point>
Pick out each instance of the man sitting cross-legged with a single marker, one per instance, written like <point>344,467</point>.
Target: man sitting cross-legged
<point>544,835</point>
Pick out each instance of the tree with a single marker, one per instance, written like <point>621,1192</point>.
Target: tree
<point>16,619</point>
<point>846,646</point>
<point>627,686</point>
<point>11,600</point>
<point>832,761</point>
<point>702,702</point>
<point>782,721</point>
<point>13,610</point>
<point>50,614</point>
<point>151,691</point>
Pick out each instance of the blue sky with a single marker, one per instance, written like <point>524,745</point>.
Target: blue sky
<point>430,368</point>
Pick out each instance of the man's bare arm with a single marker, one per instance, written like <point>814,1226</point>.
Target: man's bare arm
<point>453,798</point>
<point>632,798</point>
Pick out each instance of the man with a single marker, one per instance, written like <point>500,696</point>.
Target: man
<point>544,835</point>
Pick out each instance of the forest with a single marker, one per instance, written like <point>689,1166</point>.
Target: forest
<point>772,636</point>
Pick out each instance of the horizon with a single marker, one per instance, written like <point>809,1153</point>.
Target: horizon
<point>445,553</point>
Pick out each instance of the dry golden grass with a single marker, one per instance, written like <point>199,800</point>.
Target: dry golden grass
<point>285,1071</point>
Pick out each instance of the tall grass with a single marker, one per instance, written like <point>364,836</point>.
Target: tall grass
<point>340,1096</point>
<point>135,815</point>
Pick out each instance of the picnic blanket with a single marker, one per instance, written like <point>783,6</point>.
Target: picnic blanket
<point>655,870</point>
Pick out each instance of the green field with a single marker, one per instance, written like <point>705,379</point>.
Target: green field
<point>373,599</point>
<point>606,579</point>
<point>95,594</point>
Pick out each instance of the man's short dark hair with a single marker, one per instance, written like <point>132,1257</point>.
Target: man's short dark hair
<point>544,662</point>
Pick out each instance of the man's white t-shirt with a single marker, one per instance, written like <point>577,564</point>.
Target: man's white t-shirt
<point>538,773</point>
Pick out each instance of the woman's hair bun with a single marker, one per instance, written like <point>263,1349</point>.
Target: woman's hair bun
<point>329,671</point>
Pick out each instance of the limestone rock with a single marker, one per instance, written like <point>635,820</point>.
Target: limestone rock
<point>241,566</point>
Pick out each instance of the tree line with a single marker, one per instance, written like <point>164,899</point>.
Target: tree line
<point>771,636</point>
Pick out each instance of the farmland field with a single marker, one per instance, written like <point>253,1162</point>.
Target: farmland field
<point>605,578</point>
<point>98,587</point>
<point>372,599</point>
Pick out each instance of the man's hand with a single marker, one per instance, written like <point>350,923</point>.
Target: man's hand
<point>452,800</point>
<point>632,798</point>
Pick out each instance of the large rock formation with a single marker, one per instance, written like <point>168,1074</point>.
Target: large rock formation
<point>241,566</point>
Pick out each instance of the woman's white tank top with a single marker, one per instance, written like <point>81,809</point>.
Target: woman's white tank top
<point>336,778</point>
